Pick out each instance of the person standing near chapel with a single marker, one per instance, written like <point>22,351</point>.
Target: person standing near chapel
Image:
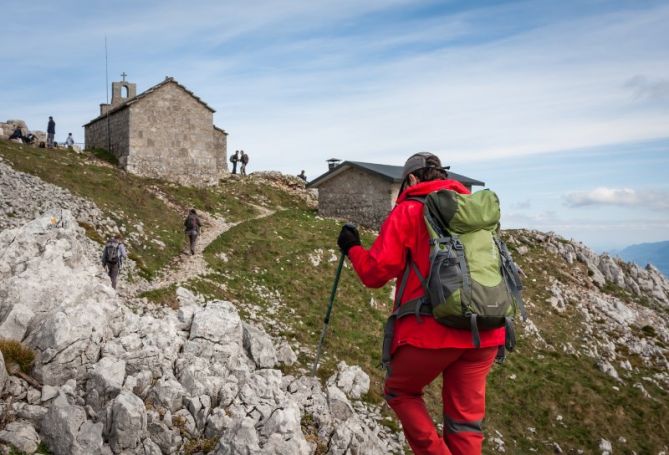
<point>421,348</point>
<point>245,160</point>
<point>69,142</point>
<point>113,255</point>
<point>50,132</point>
<point>193,227</point>
<point>234,159</point>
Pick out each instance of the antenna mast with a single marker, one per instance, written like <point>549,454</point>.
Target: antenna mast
<point>107,92</point>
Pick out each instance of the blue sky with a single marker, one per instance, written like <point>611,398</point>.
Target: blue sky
<point>561,107</point>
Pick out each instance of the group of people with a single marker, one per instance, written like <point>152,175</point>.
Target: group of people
<point>29,138</point>
<point>241,157</point>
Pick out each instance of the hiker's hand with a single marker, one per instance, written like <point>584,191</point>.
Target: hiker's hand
<point>348,238</point>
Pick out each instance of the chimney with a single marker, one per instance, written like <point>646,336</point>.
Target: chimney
<point>333,163</point>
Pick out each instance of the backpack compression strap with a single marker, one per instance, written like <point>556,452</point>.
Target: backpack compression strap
<point>415,307</point>
<point>513,279</point>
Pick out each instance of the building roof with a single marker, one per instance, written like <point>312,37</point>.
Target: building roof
<point>390,173</point>
<point>146,92</point>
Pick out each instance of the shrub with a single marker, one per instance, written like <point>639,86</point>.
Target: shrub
<point>16,353</point>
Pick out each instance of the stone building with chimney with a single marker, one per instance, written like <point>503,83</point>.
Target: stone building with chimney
<point>364,193</point>
<point>165,132</point>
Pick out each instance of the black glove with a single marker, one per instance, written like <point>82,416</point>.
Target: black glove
<point>348,238</point>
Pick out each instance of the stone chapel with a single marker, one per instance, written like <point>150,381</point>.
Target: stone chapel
<point>165,132</point>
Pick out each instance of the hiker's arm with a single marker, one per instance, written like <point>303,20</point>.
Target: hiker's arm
<point>385,259</point>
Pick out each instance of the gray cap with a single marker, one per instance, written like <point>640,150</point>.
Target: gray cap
<point>419,161</point>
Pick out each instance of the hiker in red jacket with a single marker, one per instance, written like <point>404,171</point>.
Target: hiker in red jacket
<point>422,348</point>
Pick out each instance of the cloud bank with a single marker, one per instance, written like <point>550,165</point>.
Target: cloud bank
<point>623,197</point>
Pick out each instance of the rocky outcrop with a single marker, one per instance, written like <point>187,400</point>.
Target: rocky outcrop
<point>150,382</point>
<point>617,304</point>
<point>8,127</point>
<point>25,197</point>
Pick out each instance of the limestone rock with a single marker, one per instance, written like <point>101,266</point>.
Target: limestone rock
<point>61,424</point>
<point>216,332</point>
<point>340,407</point>
<point>242,438</point>
<point>285,355</point>
<point>47,270</point>
<point>168,440</point>
<point>3,372</point>
<point>351,380</point>
<point>128,422</point>
<point>21,435</point>
<point>105,382</point>
<point>168,392</point>
<point>259,347</point>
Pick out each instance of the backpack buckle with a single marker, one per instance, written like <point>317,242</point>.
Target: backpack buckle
<point>457,245</point>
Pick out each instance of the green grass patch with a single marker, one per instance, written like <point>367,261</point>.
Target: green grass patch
<point>163,297</point>
<point>105,155</point>
<point>268,265</point>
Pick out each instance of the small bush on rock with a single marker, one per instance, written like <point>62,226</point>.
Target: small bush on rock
<point>16,353</point>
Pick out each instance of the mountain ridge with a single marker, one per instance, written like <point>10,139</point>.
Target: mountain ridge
<point>655,253</point>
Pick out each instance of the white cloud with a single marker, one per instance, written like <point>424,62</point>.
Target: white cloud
<point>624,197</point>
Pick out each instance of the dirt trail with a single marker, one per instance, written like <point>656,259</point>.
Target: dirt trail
<point>186,266</point>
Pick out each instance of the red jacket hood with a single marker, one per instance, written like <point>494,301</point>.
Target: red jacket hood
<point>425,188</point>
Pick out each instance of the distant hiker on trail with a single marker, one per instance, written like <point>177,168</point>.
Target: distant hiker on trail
<point>50,132</point>
<point>113,255</point>
<point>69,142</point>
<point>192,225</point>
<point>417,348</point>
<point>302,175</point>
<point>17,134</point>
<point>234,159</point>
<point>245,160</point>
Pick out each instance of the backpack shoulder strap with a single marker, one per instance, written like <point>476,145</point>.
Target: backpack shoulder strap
<point>420,199</point>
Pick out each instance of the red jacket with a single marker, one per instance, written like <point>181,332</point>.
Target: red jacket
<point>403,230</point>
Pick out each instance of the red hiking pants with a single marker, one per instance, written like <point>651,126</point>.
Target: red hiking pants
<point>463,393</point>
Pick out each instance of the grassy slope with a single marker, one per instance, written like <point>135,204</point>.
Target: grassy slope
<point>125,199</point>
<point>535,385</point>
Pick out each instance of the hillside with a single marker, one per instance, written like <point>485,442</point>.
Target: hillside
<point>590,373</point>
<point>656,253</point>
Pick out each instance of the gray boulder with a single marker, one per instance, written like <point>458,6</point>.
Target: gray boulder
<point>285,354</point>
<point>240,439</point>
<point>21,435</point>
<point>128,422</point>
<point>340,407</point>
<point>216,332</point>
<point>259,347</point>
<point>16,322</point>
<point>3,373</point>
<point>351,380</point>
<point>167,392</point>
<point>106,381</point>
<point>66,431</point>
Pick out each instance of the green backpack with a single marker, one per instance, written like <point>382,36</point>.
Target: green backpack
<point>473,283</point>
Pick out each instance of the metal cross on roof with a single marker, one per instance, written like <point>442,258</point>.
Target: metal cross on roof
<point>123,75</point>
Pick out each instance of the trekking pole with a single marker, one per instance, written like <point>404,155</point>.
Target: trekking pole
<point>326,320</point>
